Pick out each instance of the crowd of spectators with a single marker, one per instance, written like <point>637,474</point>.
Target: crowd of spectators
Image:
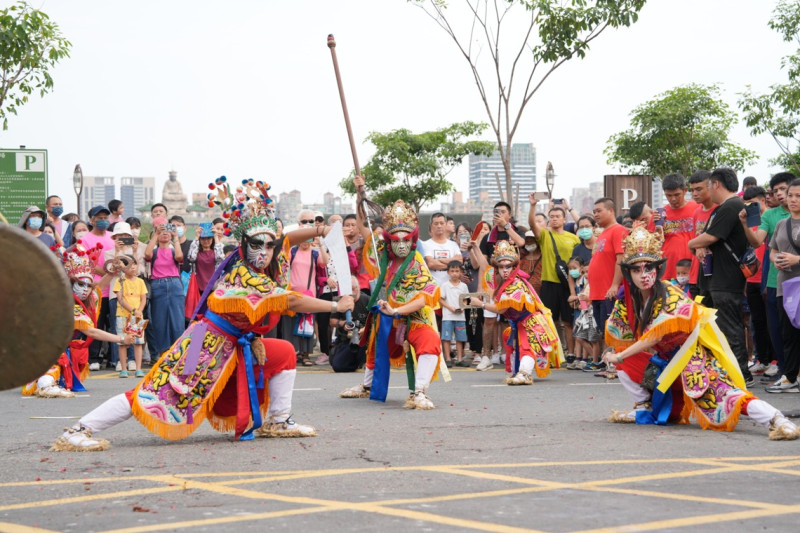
<point>571,259</point>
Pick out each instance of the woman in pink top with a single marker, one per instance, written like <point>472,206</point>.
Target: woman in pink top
<point>166,314</point>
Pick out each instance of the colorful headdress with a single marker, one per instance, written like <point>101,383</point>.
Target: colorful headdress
<point>399,217</point>
<point>79,262</point>
<point>641,245</point>
<point>250,211</point>
<point>505,251</point>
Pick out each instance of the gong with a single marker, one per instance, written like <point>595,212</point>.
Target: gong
<point>36,308</point>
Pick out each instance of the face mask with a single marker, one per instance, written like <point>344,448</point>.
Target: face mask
<point>575,273</point>
<point>530,247</point>
<point>81,291</point>
<point>58,211</point>
<point>101,224</point>
<point>180,230</point>
<point>135,233</point>
<point>585,234</point>
<point>80,234</point>
<point>682,280</point>
<point>35,223</point>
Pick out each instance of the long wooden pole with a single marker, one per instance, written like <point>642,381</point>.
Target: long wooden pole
<point>332,46</point>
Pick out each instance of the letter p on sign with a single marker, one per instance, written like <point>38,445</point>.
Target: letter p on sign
<point>30,161</point>
<point>629,196</point>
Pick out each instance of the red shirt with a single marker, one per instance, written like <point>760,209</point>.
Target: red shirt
<point>700,218</point>
<point>678,231</point>
<point>604,260</point>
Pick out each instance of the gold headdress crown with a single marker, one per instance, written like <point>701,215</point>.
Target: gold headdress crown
<point>400,217</point>
<point>505,251</point>
<point>641,245</point>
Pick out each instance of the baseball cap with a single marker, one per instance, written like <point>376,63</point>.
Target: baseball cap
<point>96,210</point>
<point>530,233</point>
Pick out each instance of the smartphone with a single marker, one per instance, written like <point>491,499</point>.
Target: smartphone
<point>127,241</point>
<point>753,210</point>
<point>541,195</point>
<point>170,227</point>
<point>463,238</point>
<point>662,214</point>
<point>558,201</point>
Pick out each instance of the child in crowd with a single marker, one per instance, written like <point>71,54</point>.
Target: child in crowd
<point>453,321</point>
<point>584,329</point>
<point>681,280</point>
<point>131,298</point>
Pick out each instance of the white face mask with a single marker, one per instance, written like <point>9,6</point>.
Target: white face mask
<point>81,291</point>
<point>80,234</point>
<point>135,233</point>
<point>530,247</point>
<point>682,280</point>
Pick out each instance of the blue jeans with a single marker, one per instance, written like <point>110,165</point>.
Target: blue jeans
<point>113,347</point>
<point>166,313</point>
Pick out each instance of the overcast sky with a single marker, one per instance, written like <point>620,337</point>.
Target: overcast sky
<point>247,89</point>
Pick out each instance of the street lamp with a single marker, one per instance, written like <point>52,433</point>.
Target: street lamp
<point>77,184</point>
<point>550,178</point>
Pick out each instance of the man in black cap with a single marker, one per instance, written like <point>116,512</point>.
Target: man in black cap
<point>98,217</point>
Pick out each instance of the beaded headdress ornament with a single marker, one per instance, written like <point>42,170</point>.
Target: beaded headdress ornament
<point>641,245</point>
<point>505,251</point>
<point>249,211</point>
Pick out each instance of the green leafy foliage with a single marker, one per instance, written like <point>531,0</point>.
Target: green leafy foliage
<point>777,112</point>
<point>414,166</point>
<point>681,130</point>
<point>30,46</point>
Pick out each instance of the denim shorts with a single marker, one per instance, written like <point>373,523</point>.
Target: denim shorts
<point>459,327</point>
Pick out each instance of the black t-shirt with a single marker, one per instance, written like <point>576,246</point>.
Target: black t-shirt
<point>186,266</point>
<point>360,313</point>
<point>583,252</point>
<point>725,225</point>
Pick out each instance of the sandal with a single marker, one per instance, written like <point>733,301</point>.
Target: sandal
<point>306,360</point>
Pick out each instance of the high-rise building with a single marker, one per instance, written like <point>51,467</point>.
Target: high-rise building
<point>136,193</point>
<point>485,171</point>
<point>289,206</point>
<point>97,190</point>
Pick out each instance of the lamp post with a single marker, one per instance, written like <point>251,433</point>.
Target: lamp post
<point>77,184</point>
<point>550,178</point>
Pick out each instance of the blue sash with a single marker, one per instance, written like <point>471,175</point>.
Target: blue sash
<point>380,376</point>
<point>661,402</point>
<point>246,358</point>
<point>513,340</point>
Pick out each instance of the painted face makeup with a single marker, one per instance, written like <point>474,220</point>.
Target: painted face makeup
<point>505,268</point>
<point>401,244</point>
<point>82,289</point>
<point>259,253</point>
<point>644,276</point>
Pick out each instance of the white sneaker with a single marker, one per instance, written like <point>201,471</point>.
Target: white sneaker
<point>496,358</point>
<point>359,391</point>
<point>781,428</point>
<point>119,366</point>
<point>94,366</point>
<point>54,391</point>
<point>503,357</point>
<point>784,385</point>
<point>285,428</point>
<point>522,378</point>
<point>758,369</point>
<point>419,400</point>
<point>79,439</point>
<point>772,370</point>
<point>476,360</point>
<point>131,365</point>
<point>486,364</point>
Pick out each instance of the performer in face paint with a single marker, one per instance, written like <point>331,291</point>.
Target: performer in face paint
<point>404,316</point>
<point>65,377</point>
<point>219,368</point>
<point>532,335</point>
<point>671,356</point>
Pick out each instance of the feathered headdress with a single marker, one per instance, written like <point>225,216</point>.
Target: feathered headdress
<point>249,211</point>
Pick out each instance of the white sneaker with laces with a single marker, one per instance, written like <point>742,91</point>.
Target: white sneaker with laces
<point>784,385</point>
<point>486,364</point>
<point>772,370</point>
<point>496,358</point>
<point>79,439</point>
<point>131,365</point>
<point>119,366</point>
<point>758,369</point>
<point>419,400</point>
<point>284,428</point>
<point>94,366</point>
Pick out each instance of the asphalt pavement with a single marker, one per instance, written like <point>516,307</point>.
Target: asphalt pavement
<point>489,458</point>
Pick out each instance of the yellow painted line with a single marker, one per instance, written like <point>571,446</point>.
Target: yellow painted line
<point>687,497</point>
<point>88,498</point>
<point>7,527</point>
<point>694,521</point>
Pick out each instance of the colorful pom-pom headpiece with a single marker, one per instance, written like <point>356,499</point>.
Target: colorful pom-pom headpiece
<point>248,211</point>
<point>79,262</point>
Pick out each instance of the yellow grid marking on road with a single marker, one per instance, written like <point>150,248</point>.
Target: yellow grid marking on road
<point>7,527</point>
<point>711,466</point>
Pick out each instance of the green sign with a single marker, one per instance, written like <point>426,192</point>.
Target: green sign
<point>23,181</point>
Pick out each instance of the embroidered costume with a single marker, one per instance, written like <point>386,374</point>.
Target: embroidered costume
<point>218,368</point>
<point>691,372</point>
<point>531,341</point>
<point>65,377</point>
<point>394,341</point>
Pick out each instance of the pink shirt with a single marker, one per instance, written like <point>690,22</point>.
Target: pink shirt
<point>90,240</point>
<point>299,272</point>
<point>164,265</point>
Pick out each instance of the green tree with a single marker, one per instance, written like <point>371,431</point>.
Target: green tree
<point>513,46</point>
<point>777,112</point>
<point>414,166</point>
<point>681,130</point>
<point>30,46</point>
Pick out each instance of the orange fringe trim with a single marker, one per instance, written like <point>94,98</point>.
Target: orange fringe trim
<point>674,325</point>
<point>83,325</point>
<point>728,425</point>
<point>542,372</point>
<point>508,303</point>
<point>366,259</point>
<point>270,304</point>
<point>181,431</point>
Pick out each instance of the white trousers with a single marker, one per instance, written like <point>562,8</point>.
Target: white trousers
<point>526,364</point>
